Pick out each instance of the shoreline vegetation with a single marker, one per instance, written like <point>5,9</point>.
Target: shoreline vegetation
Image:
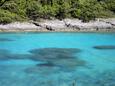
<point>66,25</point>
<point>57,15</point>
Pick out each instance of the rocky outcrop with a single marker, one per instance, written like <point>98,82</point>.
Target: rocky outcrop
<point>63,25</point>
<point>47,27</point>
<point>92,25</point>
<point>109,21</point>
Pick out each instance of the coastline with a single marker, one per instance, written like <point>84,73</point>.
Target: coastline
<point>24,31</point>
<point>66,25</point>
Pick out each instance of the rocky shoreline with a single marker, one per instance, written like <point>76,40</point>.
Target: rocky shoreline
<point>66,25</point>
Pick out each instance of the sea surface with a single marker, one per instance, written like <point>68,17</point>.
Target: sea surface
<point>57,59</point>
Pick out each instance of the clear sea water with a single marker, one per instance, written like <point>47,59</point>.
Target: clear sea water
<point>57,59</point>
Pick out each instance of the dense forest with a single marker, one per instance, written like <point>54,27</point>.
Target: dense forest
<point>24,10</point>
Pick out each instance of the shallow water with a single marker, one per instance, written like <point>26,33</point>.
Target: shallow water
<point>57,59</point>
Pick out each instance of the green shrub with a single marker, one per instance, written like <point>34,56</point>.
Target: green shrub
<point>110,5</point>
<point>8,17</point>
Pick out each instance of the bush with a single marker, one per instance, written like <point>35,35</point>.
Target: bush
<point>63,10</point>
<point>110,5</point>
<point>32,10</point>
<point>86,10</point>
<point>8,17</point>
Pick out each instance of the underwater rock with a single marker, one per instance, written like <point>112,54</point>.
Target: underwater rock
<point>50,58</point>
<point>7,55</point>
<point>104,47</point>
<point>44,70</point>
<point>5,39</point>
<point>4,54</point>
<point>70,63</point>
<point>21,56</point>
<point>54,53</point>
<point>62,65</point>
<point>48,64</point>
<point>63,58</point>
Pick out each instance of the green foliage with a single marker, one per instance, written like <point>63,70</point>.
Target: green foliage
<point>63,10</point>
<point>8,17</point>
<point>88,10</point>
<point>32,10</point>
<point>16,10</point>
<point>110,5</point>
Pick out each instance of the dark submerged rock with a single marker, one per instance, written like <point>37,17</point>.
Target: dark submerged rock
<point>51,54</point>
<point>52,58</point>
<point>63,58</point>
<point>48,64</point>
<point>104,47</point>
<point>7,55</point>
<point>5,39</point>
<point>55,51</point>
<point>44,71</point>
<point>4,54</point>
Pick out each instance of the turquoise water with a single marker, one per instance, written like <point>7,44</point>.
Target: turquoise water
<point>57,59</point>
